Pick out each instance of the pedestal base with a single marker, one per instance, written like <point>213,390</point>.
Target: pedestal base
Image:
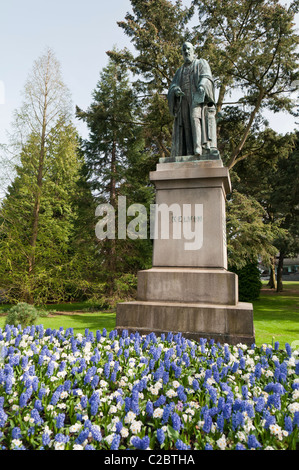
<point>223,323</point>
<point>189,290</point>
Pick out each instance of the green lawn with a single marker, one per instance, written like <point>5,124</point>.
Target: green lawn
<point>276,316</point>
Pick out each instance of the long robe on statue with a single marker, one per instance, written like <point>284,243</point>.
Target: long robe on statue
<point>194,128</point>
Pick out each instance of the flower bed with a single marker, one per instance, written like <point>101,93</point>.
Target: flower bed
<point>60,391</point>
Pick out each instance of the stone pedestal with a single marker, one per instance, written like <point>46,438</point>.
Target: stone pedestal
<point>194,190</point>
<point>189,289</point>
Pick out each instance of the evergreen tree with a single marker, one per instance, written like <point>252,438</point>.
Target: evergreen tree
<point>117,164</point>
<point>47,279</point>
<point>284,200</point>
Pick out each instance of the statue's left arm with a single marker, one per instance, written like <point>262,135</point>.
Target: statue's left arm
<point>205,80</point>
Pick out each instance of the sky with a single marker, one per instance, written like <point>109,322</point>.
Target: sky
<point>79,32</point>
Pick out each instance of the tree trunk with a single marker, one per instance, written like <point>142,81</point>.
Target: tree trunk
<point>233,160</point>
<point>112,243</point>
<point>36,210</point>
<point>272,281</point>
<point>279,272</point>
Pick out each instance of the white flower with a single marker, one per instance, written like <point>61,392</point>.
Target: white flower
<point>291,362</point>
<point>241,436</point>
<point>62,374</point>
<point>213,427</point>
<point>59,446</point>
<point>221,443</point>
<point>124,432</point>
<point>136,427</point>
<point>171,393</point>
<point>293,407</point>
<point>16,443</point>
<point>130,417</point>
<point>109,439</point>
<point>61,406</point>
<point>77,447</point>
<point>275,429</point>
<point>211,381</point>
<point>186,418</point>
<point>248,426</point>
<point>123,382</point>
<point>75,427</point>
<point>111,427</point>
<point>269,373</point>
<point>54,378</point>
<point>194,404</point>
<point>154,390</point>
<point>158,413</point>
<point>176,384</point>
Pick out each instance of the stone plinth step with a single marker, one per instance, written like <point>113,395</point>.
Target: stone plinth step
<point>223,323</point>
<point>190,285</point>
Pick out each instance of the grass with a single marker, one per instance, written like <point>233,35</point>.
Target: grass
<point>276,316</point>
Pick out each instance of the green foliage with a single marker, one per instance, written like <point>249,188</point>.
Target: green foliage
<point>46,280</point>
<point>249,282</point>
<point>117,164</point>
<point>248,237</point>
<point>270,176</point>
<point>23,314</point>
<point>252,46</point>
<point>122,287</point>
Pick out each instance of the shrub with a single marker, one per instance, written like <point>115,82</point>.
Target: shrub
<point>23,314</point>
<point>249,282</point>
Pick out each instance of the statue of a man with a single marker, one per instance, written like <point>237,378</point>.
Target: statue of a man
<point>191,100</point>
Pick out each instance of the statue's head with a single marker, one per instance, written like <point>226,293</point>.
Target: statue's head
<point>188,52</point>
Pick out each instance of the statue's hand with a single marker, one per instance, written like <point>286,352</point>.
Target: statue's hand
<point>179,92</point>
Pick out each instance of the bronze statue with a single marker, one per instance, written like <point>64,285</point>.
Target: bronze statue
<point>191,100</point>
